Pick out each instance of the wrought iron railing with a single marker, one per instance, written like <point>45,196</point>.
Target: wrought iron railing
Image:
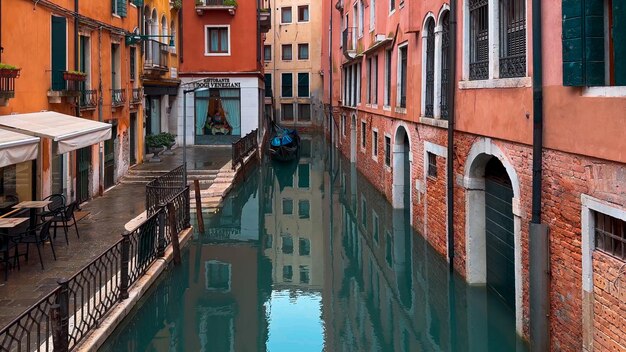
<point>118,97</point>
<point>243,146</point>
<point>61,320</point>
<point>164,188</point>
<point>137,96</point>
<point>88,98</point>
<point>156,54</point>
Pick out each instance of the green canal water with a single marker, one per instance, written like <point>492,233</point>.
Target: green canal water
<point>310,257</point>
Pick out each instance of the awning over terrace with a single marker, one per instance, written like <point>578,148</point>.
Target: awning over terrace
<point>67,132</point>
<point>16,148</point>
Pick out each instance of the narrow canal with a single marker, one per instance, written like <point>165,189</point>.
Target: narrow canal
<point>310,257</point>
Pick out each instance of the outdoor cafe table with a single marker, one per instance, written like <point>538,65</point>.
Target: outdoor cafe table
<point>9,223</point>
<point>33,205</point>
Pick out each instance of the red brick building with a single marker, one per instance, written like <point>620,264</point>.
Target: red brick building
<point>391,113</point>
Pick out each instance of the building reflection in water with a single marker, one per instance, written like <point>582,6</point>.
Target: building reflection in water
<point>307,257</point>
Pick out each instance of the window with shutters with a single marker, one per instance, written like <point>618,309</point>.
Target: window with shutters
<point>402,76</point>
<point>286,86</point>
<point>217,40</point>
<point>118,7</point>
<point>303,85</point>
<point>375,144</point>
<point>133,62</point>
<point>512,38</point>
<point>363,134</point>
<point>267,53</point>
<point>286,112</point>
<point>303,51</point>
<point>479,39</point>
<point>594,43</point>
<point>387,91</point>
<point>287,54</point>
<point>387,150</point>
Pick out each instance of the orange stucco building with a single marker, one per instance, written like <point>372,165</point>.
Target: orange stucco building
<point>74,60</point>
<point>391,110</point>
<point>230,61</point>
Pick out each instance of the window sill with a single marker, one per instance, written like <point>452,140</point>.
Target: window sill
<point>400,110</point>
<point>375,158</point>
<point>604,92</point>
<point>386,108</point>
<point>387,168</point>
<point>520,82</point>
<point>216,54</point>
<point>434,122</point>
<point>116,15</point>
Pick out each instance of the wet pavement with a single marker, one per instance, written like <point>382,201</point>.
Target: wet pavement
<point>198,158</point>
<point>100,229</point>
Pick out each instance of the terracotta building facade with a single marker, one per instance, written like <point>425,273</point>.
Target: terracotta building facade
<point>73,59</point>
<point>390,111</point>
<point>229,63</point>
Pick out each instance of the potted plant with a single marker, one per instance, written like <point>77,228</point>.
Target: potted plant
<point>74,76</point>
<point>176,4</point>
<point>156,144</point>
<point>230,3</point>
<point>9,71</point>
<point>170,140</point>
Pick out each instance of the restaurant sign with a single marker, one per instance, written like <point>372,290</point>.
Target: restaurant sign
<point>222,83</point>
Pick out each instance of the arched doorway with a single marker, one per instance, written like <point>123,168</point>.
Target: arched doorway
<point>353,139</point>
<point>401,189</point>
<point>493,225</point>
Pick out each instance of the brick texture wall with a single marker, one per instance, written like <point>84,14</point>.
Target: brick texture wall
<point>565,178</point>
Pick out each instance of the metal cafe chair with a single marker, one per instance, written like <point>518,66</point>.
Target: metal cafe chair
<point>37,235</point>
<point>6,245</point>
<point>56,206</point>
<point>65,219</point>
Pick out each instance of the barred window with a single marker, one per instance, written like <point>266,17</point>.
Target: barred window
<point>445,63</point>
<point>479,39</point>
<point>430,69</point>
<point>610,235</point>
<point>387,150</point>
<point>512,38</point>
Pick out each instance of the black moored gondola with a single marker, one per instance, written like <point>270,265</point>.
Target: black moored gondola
<point>284,143</point>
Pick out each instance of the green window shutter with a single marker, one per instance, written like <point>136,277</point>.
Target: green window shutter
<point>121,8</point>
<point>59,52</point>
<point>583,43</point>
<point>594,43</point>
<point>113,2</point>
<point>619,42</point>
<point>572,43</point>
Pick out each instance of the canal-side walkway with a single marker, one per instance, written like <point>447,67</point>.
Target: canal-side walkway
<point>102,223</point>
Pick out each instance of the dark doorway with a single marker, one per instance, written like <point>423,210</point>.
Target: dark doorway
<point>83,162</point>
<point>500,232</point>
<point>109,159</point>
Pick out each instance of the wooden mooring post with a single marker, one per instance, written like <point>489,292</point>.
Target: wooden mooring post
<point>174,232</point>
<point>196,185</point>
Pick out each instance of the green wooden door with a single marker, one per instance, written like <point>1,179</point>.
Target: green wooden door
<point>83,162</point>
<point>499,232</point>
<point>59,52</point>
<point>109,159</point>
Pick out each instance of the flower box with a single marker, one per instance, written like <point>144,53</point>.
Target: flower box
<point>10,72</point>
<point>74,76</point>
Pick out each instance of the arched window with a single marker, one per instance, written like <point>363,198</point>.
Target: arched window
<point>173,32</point>
<point>445,64</point>
<point>430,68</point>
<point>164,33</point>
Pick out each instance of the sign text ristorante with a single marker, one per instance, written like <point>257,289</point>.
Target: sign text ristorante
<point>222,83</point>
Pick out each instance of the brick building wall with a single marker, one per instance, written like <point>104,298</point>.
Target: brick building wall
<point>566,178</point>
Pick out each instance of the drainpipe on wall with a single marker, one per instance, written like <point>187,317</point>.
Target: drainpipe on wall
<point>1,48</point>
<point>76,50</point>
<point>539,243</point>
<point>330,83</point>
<point>450,157</point>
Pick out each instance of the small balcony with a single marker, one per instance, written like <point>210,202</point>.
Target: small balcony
<point>88,99</point>
<point>66,84</point>
<point>137,96</point>
<point>265,20</point>
<point>118,97</point>
<point>7,84</point>
<point>156,57</point>
<point>348,41</point>
<point>208,5</point>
